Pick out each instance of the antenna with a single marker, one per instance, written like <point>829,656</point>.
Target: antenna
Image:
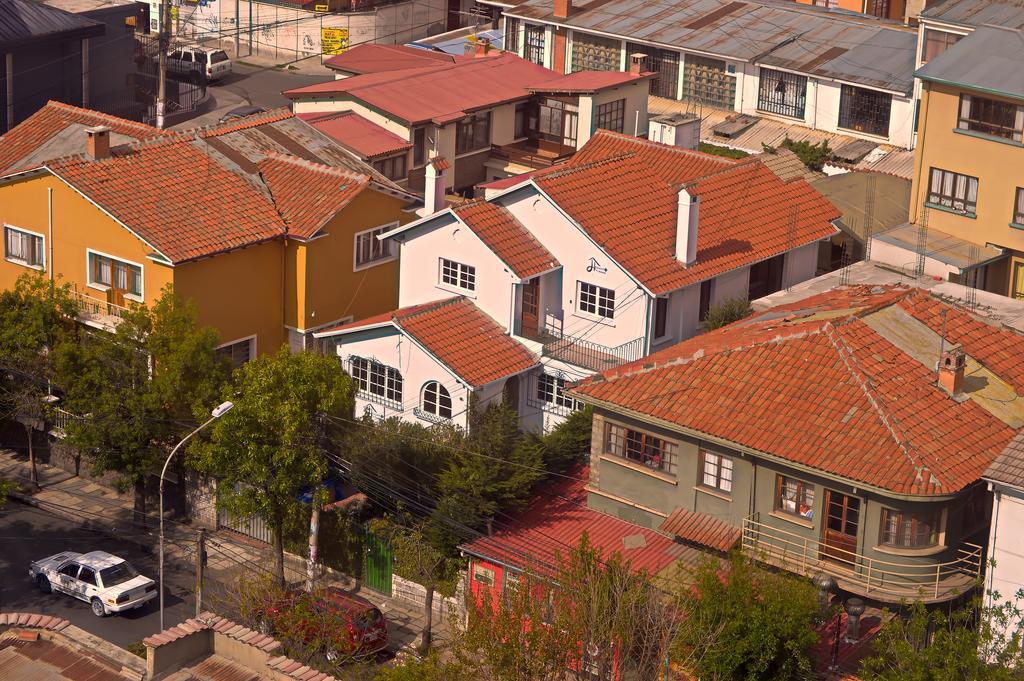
<point>922,244</point>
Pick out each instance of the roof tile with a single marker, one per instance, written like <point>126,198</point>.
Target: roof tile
<point>507,238</point>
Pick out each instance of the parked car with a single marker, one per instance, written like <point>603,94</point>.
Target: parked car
<point>104,581</point>
<point>241,112</point>
<point>349,624</point>
<point>196,63</point>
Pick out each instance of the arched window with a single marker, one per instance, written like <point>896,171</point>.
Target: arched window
<point>437,401</point>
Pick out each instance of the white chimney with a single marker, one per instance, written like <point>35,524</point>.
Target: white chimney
<point>686,227</point>
<point>433,188</point>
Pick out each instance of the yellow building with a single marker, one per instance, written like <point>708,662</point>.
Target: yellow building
<point>269,246</point>
<point>969,163</point>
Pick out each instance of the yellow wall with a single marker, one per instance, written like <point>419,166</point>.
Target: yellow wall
<point>992,162</point>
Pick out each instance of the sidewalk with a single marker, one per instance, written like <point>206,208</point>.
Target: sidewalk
<point>229,555</point>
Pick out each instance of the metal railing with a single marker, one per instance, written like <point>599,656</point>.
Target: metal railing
<point>88,305</point>
<point>856,572</point>
<point>61,419</point>
<point>590,355</point>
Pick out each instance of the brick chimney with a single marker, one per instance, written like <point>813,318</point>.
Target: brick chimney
<point>562,9</point>
<point>433,188</point>
<point>481,47</point>
<point>97,142</point>
<point>686,227</point>
<point>636,63</point>
<point>951,369</point>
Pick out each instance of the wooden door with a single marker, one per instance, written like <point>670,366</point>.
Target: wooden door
<point>531,307</point>
<point>842,520</point>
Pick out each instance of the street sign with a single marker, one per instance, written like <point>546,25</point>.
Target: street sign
<point>321,8</point>
<point>333,40</point>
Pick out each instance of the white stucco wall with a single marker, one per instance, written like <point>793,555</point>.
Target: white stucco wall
<point>1005,570</point>
<point>343,103</point>
<point>735,284</point>
<point>800,264</point>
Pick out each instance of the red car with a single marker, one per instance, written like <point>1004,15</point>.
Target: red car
<point>345,624</point>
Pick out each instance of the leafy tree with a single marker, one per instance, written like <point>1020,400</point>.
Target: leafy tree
<point>972,642</point>
<point>267,449</point>
<point>36,316</point>
<point>142,386</point>
<point>740,622</point>
<point>567,444</point>
<point>726,312</point>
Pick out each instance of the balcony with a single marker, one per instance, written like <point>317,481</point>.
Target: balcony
<point>582,352</point>
<point>531,153</point>
<point>882,580</point>
<point>97,312</point>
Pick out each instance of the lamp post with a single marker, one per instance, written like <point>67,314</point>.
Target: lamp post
<point>222,409</point>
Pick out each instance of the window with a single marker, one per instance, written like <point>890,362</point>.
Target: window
<point>512,35</point>
<point>665,63</point>
<point>782,93</point>
<point>953,190</point>
<point>1018,207</point>
<point>473,133</point>
<point>482,575</point>
<point>419,146</point>
<point>557,121</point>
<point>218,56</point>
<point>716,471</point>
<point>864,110</point>
<point>660,317</point>
<point>392,167</point>
<point>238,352</point>
<point>612,116</point>
<point>70,570</point>
<point>595,53</point>
<point>909,530</point>
<point>596,300</point>
<point>369,249</point>
<point>377,381</point>
<point>533,44</point>
<point>795,497</point>
<point>636,445</point>
<point>87,575</point>
<point>23,247</point>
<point>115,274</point>
<point>458,275</point>
<point>991,117</point>
<point>937,42</point>
<point>551,390</point>
<point>708,81</point>
<point>437,401</point>
<point>522,120</point>
<point>704,305</point>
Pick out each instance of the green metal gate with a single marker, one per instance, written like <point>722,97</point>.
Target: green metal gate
<point>378,563</point>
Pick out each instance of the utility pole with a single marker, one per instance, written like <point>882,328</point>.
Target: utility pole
<point>200,567</point>
<point>163,41</point>
<point>314,531</point>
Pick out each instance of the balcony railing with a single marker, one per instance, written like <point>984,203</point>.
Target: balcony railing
<point>97,309</point>
<point>61,419</point>
<point>880,579</point>
<point>529,154</point>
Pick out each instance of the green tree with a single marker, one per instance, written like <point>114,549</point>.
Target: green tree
<point>742,623</point>
<point>142,386</point>
<point>269,448</point>
<point>971,642</point>
<point>726,312</point>
<point>36,316</point>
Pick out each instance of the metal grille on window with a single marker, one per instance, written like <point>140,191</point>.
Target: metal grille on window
<point>595,53</point>
<point>864,110</point>
<point>512,34</point>
<point>665,63</point>
<point>533,44</point>
<point>707,81</point>
<point>782,93</point>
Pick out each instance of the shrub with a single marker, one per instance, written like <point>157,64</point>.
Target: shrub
<point>721,151</point>
<point>812,155</point>
<point>726,312</point>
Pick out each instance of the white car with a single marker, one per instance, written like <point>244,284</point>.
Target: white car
<point>198,62</point>
<point>104,581</point>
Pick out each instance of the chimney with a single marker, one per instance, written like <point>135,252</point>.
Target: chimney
<point>481,47</point>
<point>686,227</point>
<point>433,189</point>
<point>97,142</point>
<point>562,9</point>
<point>951,369</point>
<point>636,63</point>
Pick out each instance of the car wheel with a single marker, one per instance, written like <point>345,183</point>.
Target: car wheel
<point>97,608</point>
<point>44,584</point>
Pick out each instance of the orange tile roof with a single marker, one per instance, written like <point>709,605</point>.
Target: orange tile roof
<point>701,528</point>
<point>308,194</point>
<point>460,335</point>
<point>363,136</point>
<point>52,120</point>
<point>507,238</point>
<point>624,192</point>
<point>182,202</point>
<point>813,382</point>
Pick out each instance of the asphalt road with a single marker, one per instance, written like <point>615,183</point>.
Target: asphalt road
<point>28,533</point>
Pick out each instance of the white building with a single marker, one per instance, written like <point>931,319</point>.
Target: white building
<point>600,261</point>
<point>1005,560</point>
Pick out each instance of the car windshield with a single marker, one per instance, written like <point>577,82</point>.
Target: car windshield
<point>117,574</point>
<point>218,56</point>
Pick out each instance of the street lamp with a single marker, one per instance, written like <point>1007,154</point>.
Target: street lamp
<point>222,409</point>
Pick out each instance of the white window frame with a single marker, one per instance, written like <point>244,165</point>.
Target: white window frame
<point>598,293</point>
<point>106,287</point>
<point>436,414</point>
<point>26,232</point>
<point>391,256</point>
<point>558,396</point>
<point>719,463</point>
<point>252,345</point>
<point>462,270</point>
<point>388,384</point>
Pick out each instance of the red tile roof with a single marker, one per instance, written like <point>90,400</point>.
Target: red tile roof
<point>507,238</point>
<point>442,93</point>
<point>701,528</point>
<point>182,202</point>
<point>460,335</point>
<point>829,382</point>
<point>51,121</point>
<point>624,192</point>
<point>506,182</point>
<point>374,58</point>
<point>588,81</point>
<point>362,136</point>
<point>309,194</point>
<point>555,522</point>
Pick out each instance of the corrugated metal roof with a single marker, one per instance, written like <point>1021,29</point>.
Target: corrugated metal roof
<point>990,59</point>
<point>22,21</point>
<point>786,35</point>
<point>977,13</point>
